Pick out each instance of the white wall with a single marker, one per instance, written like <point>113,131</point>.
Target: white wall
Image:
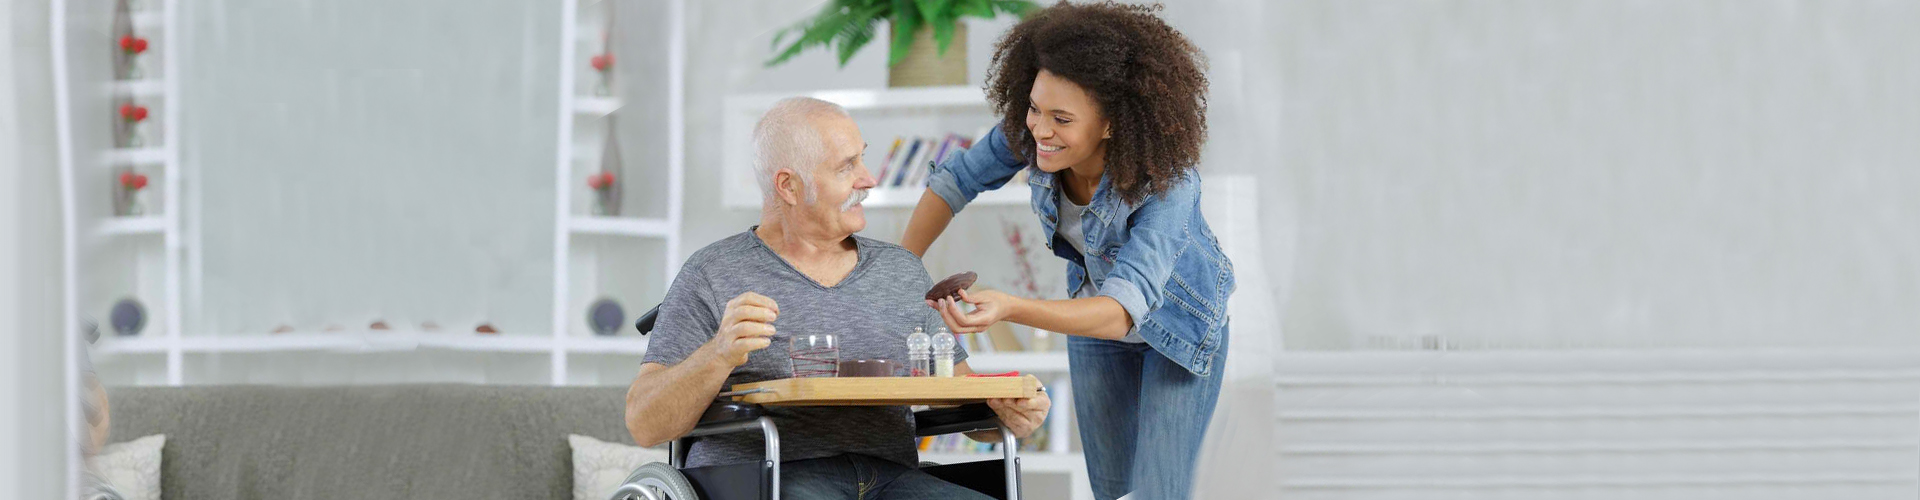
<point>1596,172</point>
<point>315,127</point>
<point>31,390</point>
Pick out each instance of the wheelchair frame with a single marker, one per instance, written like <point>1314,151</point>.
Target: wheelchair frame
<point>723,418</point>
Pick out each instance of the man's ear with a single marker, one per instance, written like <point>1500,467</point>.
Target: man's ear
<point>787,185</point>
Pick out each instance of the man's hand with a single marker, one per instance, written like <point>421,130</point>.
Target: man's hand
<point>989,307</point>
<point>747,326</point>
<point>1022,415</point>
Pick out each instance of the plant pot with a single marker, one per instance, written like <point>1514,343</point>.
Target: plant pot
<point>923,65</point>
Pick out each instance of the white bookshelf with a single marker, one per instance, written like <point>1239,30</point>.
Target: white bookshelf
<point>1025,362</point>
<point>606,345</point>
<point>146,88</point>
<point>155,155</point>
<point>582,26</point>
<point>622,226</point>
<point>1013,194</point>
<point>136,225</point>
<point>595,106</point>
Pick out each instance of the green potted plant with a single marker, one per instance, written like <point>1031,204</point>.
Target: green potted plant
<point>922,32</point>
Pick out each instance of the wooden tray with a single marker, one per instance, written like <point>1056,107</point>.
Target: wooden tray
<point>887,391</point>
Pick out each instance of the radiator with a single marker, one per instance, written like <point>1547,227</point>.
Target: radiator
<point>1598,424</point>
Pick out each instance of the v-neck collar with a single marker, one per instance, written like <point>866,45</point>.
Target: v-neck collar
<point>859,260</point>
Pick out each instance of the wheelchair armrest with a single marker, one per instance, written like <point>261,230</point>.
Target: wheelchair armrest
<point>646,321</point>
<point>726,412</point>
<point>963,418</point>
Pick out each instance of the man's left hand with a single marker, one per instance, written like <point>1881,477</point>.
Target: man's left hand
<point>1022,415</point>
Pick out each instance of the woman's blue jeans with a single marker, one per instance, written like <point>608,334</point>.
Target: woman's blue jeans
<point>1142,416</point>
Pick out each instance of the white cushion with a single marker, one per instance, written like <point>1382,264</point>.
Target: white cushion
<point>599,466</point>
<point>132,467</point>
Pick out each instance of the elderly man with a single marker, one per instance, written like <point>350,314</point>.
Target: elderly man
<point>727,315</point>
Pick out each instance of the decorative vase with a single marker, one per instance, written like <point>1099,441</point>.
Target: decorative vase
<point>606,193</point>
<point>137,134</point>
<point>603,66</point>
<point>127,200</point>
<point>924,66</point>
<point>606,203</point>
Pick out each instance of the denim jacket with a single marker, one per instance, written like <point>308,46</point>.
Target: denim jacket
<point>1158,259</point>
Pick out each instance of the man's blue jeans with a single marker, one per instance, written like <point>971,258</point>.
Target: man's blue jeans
<point>1142,416</point>
<point>852,476</point>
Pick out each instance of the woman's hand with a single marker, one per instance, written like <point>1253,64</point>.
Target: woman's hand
<point>989,307</point>
<point>1022,415</point>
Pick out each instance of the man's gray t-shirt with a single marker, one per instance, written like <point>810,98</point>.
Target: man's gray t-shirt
<point>871,311</point>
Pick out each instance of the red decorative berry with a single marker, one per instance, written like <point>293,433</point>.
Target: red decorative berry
<point>133,112</point>
<point>593,181</point>
<point>606,178</point>
<point>139,182</point>
<point>602,62</point>
<point>133,44</point>
<point>126,178</point>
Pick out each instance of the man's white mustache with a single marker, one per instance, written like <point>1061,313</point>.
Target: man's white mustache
<point>854,199</point>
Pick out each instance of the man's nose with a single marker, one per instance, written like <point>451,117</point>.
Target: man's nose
<point>866,180</point>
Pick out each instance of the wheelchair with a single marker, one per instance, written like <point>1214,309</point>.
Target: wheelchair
<point>761,480</point>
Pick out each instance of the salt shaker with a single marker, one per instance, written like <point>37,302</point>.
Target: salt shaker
<point>919,360</point>
<point>943,353</point>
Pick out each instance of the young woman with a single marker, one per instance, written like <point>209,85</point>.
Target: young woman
<point>1104,106</point>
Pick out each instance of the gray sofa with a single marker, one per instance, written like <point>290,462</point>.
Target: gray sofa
<point>371,442</point>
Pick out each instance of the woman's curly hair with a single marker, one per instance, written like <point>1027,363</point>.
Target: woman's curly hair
<point>1148,79</point>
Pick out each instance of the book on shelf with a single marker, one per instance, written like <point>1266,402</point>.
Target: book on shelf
<point>910,160</point>
<point>886,166</point>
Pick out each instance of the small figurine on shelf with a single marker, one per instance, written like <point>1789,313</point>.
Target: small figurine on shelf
<point>128,317</point>
<point>603,64</point>
<point>606,193</point>
<point>133,46</point>
<point>605,317</point>
<point>132,116</point>
<point>126,194</point>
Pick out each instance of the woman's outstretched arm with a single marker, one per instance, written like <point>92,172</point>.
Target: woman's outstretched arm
<point>930,219</point>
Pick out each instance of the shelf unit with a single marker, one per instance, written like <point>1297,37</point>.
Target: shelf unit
<point>156,155</point>
<point>137,225</point>
<point>1011,194</point>
<point>595,106</point>
<point>622,226</point>
<point>95,238</point>
<point>576,108</point>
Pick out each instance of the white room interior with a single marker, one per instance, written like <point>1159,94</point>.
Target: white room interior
<point>1571,249</point>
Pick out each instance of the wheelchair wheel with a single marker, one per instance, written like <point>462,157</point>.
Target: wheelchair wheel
<point>661,479</point>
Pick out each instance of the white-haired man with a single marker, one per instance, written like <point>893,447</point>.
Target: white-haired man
<point>801,270</point>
